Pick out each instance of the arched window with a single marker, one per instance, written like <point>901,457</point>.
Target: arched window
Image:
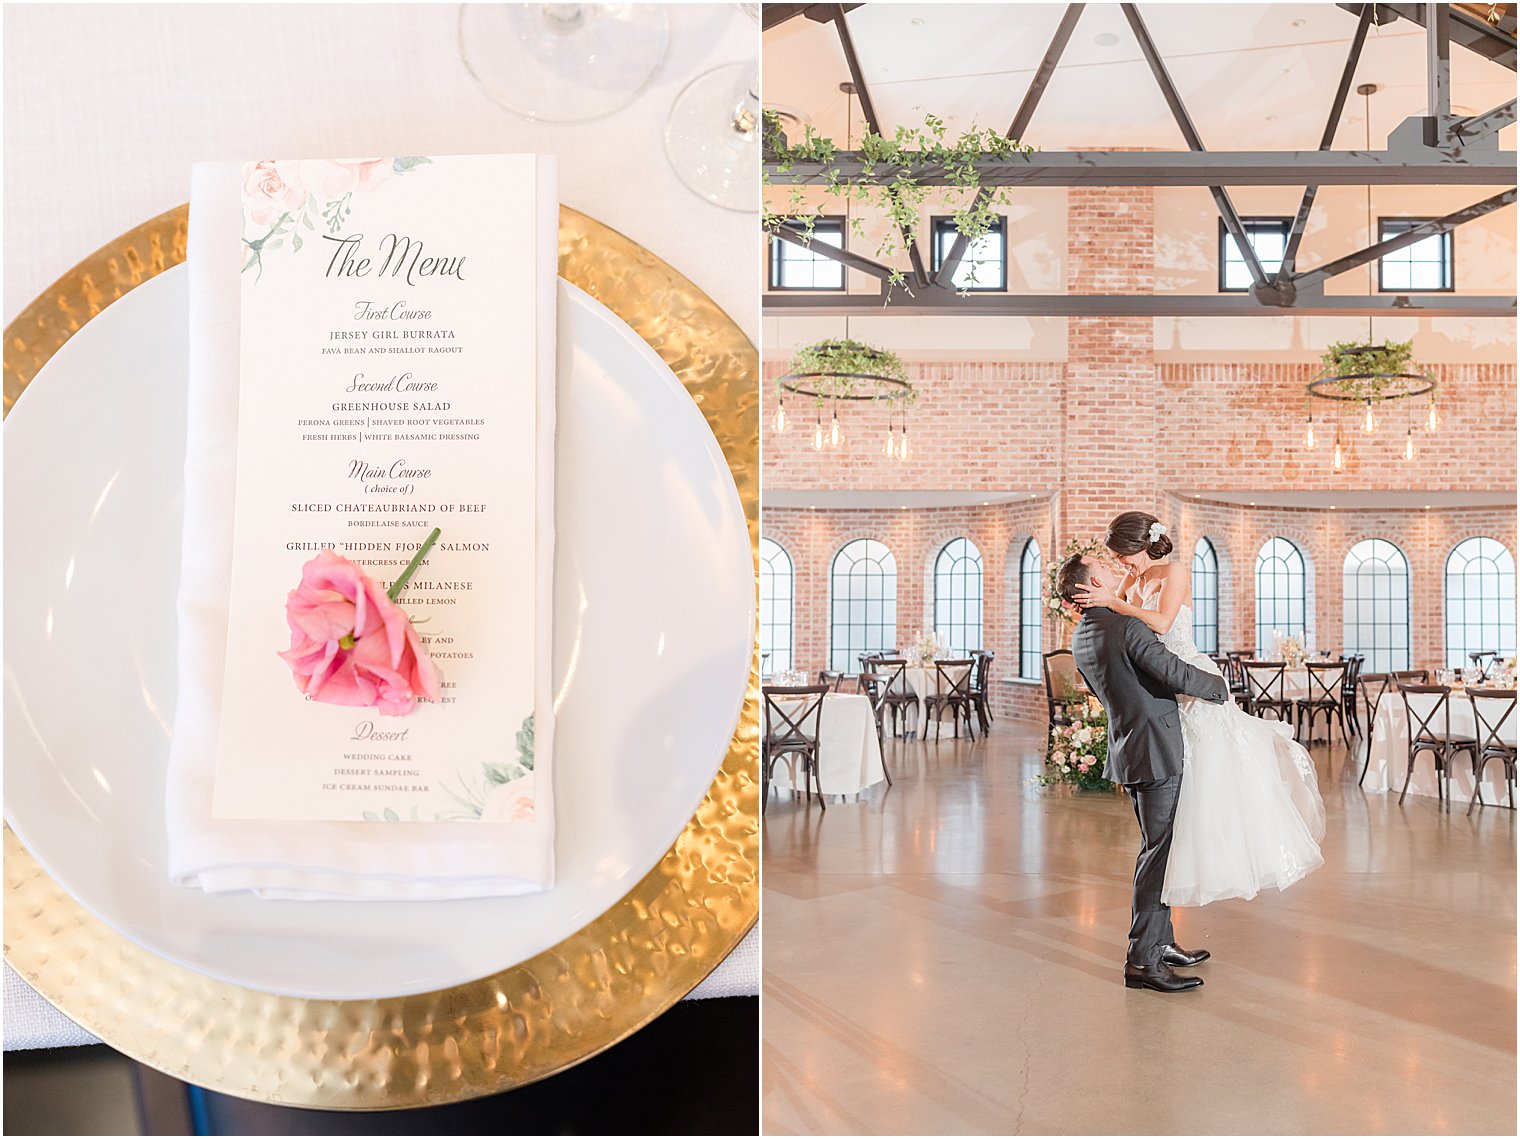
<point>1031,610</point>
<point>1375,596</point>
<point>1280,590</point>
<point>775,607</point>
<point>958,596</point>
<point>1480,601</point>
<point>863,608</point>
<point>1206,596</point>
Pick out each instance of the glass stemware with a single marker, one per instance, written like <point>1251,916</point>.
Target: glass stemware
<point>712,136</point>
<point>563,63</point>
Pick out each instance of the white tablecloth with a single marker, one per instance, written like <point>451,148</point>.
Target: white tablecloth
<point>849,755</point>
<point>925,682</point>
<point>107,105</point>
<point>1389,760</point>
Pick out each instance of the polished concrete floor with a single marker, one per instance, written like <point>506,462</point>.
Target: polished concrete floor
<point>944,958</point>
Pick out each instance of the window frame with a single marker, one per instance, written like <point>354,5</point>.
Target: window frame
<point>1031,664</point>
<point>767,571</point>
<point>1450,250</point>
<point>944,223</point>
<point>955,573</point>
<point>1286,223</point>
<point>1379,657</point>
<point>1506,628</point>
<point>1211,571</point>
<point>1264,647</point>
<point>849,664</point>
<point>778,249</point>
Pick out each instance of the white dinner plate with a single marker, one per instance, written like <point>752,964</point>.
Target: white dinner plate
<point>653,642</point>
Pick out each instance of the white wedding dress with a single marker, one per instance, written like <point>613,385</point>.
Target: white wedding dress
<point>1249,814</point>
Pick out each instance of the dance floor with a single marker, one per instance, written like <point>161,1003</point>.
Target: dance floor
<point>944,957</point>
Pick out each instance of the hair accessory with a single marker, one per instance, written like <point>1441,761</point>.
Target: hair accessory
<point>1157,531</point>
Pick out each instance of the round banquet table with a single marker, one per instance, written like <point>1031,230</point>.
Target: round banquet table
<point>925,682</point>
<point>849,754</point>
<point>1388,747</point>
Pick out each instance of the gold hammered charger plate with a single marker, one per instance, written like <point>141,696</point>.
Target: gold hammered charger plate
<point>524,1023</point>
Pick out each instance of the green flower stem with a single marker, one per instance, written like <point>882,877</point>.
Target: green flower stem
<point>411,566</point>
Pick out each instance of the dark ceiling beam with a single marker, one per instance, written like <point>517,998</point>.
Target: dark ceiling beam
<point>1489,122</point>
<point>1467,31</point>
<point>773,15</point>
<point>1424,166</point>
<point>1326,141</point>
<point>1315,277</point>
<point>873,124</point>
<point>1437,70</point>
<point>834,253</point>
<point>940,302</point>
<point>1190,133</point>
<point>945,274</point>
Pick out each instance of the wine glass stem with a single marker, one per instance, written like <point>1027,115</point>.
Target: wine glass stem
<point>746,116</point>
<point>562,19</point>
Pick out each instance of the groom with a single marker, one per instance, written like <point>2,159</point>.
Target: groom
<point>1137,679</point>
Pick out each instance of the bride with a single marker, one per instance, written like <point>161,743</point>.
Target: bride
<point>1249,813</point>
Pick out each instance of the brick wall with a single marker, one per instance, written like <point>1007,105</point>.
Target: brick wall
<point>1325,537</point>
<point>812,537</point>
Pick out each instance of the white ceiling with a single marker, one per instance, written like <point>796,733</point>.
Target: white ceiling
<point>1252,76</point>
<point>1358,499</point>
<point>889,499</point>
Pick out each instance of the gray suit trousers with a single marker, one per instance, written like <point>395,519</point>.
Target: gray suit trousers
<point>1151,919</point>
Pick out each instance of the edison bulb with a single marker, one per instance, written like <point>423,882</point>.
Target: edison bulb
<point>818,436</point>
<point>1340,457</point>
<point>780,419</point>
<point>1432,418</point>
<point>1369,422</point>
<point>887,447</point>
<point>834,436</point>
<point>1409,451</point>
<point>1310,442</point>
<point>902,447</point>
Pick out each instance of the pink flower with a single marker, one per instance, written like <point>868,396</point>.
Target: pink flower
<point>331,180</point>
<point>350,644</point>
<point>509,802</point>
<point>269,190</point>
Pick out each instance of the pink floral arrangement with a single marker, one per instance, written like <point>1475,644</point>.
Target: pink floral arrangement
<point>351,644</point>
<point>1078,751</point>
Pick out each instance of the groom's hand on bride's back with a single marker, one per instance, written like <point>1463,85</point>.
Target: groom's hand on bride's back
<point>1150,655</point>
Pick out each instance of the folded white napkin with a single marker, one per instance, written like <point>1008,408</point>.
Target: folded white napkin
<point>323,860</point>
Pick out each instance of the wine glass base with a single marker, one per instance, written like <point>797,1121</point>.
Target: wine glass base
<point>563,63</point>
<point>713,158</point>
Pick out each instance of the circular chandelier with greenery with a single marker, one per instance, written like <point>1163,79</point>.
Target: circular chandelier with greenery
<point>846,370</point>
<point>1367,374</point>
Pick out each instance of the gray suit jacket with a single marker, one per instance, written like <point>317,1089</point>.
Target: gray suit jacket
<point>1137,678</point>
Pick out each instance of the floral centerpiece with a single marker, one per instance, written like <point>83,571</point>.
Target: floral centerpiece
<point>1068,613</point>
<point>925,648</point>
<point>1077,752</point>
<point>1293,652</point>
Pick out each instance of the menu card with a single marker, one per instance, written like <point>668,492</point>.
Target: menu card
<point>389,384</point>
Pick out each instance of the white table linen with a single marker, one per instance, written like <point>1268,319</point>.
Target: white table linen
<point>1389,758</point>
<point>925,682</point>
<point>107,106</point>
<point>849,754</point>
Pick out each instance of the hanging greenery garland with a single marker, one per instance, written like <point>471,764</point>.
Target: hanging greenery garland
<point>889,180</point>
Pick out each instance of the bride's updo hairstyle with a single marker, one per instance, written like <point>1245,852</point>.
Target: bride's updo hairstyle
<point>1136,532</point>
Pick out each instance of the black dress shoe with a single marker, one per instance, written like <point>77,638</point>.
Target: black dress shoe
<point>1179,958</point>
<point>1159,977</point>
